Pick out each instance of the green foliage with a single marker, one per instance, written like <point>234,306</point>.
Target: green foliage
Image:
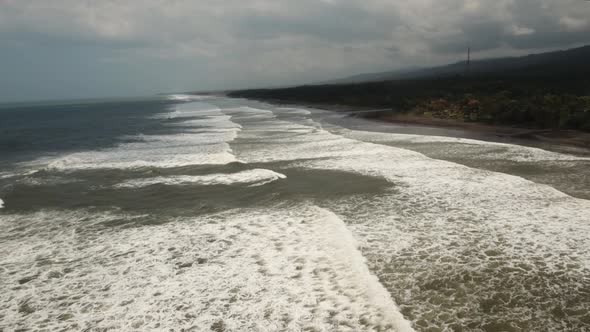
<point>551,102</point>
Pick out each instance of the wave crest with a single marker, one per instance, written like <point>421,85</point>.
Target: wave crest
<point>255,177</point>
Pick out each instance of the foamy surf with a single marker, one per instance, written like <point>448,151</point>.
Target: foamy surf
<point>192,109</point>
<point>456,246</point>
<point>7,175</point>
<point>488,150</point>
<point>255,177</point>
<point>185,97</point>
<point>202,141</point>
<point>292,269</point>
<point>1,203</point>
<point>295,111</point>
<point>126,157</point>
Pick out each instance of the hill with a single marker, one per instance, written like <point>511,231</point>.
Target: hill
<point>543,91</point>
<point>542,64</point>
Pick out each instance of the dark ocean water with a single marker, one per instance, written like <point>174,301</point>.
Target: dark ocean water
<point>215,214</point>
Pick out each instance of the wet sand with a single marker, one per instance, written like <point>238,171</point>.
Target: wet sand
<point>557,136</point>
<point>571,141</point>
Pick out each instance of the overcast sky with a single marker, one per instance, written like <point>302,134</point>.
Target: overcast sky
<point>82,48</point>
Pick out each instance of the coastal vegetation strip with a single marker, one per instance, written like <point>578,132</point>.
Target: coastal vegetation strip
<point>527,103</point>
<point>543,91</point>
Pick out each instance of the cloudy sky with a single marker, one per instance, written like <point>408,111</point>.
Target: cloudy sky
<point>85,48</point>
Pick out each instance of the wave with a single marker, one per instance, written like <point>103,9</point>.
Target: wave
<point>295,111</point>
<point>202,141</point>
<point>193,109</point>
<point>489,150</point>
<point>8,175</point>
<point>186,97</point>
<point>255,177</point>
<point>344,247</point>
<point>1,203</point>
<point>250,114</point>
<point>455,223</point>
<point>150,155</point>
<point>254,269</point>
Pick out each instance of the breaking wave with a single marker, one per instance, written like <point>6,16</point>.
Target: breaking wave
<point>263,270</point>
<point>456,246</point>
<point>255,177</point>
<point>186,97</point>
<point>447,245</point>
<point>201,141</point>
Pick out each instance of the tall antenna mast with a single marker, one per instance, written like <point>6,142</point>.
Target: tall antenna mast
<point>467,69</point>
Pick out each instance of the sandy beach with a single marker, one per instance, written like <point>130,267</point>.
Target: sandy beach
<point>558,137</point>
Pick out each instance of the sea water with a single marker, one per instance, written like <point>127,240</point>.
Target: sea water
<point>214,214</point>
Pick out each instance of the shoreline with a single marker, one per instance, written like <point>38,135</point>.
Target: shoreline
<point>553,136</point>
<point>560,138</point>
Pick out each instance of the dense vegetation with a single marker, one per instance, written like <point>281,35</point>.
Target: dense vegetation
<point>552,95</point>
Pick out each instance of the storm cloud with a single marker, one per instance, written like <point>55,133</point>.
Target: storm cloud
<point>84,48</point>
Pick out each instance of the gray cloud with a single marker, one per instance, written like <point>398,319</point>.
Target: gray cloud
<point>79,48</point>
<point>324,21</point>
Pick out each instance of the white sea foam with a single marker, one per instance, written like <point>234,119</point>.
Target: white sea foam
<point>1,203</point>
<point>249,270</point>
<point>186,97</point>
<point>250,114</point>
<point>485,149</point>
<point>148,155</point>
<point>6,175</point>
<point>297,111</point>
<point>254,177</point>
<point>450,240</point>
<point>193,109</point>
<point>454,245</point>
<point>25,172</point>
<point>202,141</point>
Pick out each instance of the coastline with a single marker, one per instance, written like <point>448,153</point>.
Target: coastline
<point>563,139</point>
<point>554,136</point>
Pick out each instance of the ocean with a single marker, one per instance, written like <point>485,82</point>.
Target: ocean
<point>206,213</point>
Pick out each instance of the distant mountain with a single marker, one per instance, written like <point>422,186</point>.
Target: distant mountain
<point>373,77</point>
<point>573,61</point>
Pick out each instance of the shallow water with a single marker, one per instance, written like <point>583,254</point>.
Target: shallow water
<point>231,215</point>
